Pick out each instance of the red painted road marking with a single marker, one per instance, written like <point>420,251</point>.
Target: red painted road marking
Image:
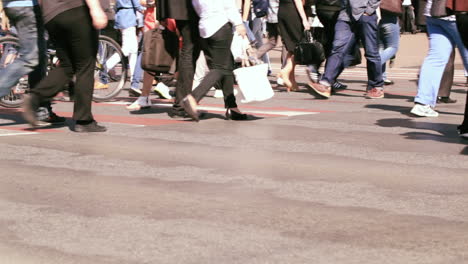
<point>29,129</point>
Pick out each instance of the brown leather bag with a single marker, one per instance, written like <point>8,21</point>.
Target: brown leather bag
<point>392,6</point>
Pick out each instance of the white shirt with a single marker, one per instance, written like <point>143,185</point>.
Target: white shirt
<point>214,14</point>
<point>273,11</point>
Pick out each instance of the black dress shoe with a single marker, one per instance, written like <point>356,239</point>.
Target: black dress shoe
<point>90,127</point>
<point>446,100</point>
<point>177,113</point>
<point>54,119</point>
<point>463,131</point>
<point>236,116</point>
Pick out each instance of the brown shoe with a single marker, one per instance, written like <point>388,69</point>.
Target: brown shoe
<point>320,89</point>
<point>375,93</point>
<point>190,106</point>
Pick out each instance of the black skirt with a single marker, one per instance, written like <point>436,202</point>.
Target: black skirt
<point>290,24</point>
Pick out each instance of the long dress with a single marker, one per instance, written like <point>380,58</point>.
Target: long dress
<point>290,24</point>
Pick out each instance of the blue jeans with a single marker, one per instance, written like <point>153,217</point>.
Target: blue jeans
<point>389,39</point>
<point>345,39</point>
<point>137,74</point>
<point>250,34</point>
<point>443,36</point>
<point>32,52</point>
<point>256,25</point>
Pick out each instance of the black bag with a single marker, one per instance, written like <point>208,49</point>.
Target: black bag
<point>308,51</point>
<point>160,48</point>
<point>260,7</point>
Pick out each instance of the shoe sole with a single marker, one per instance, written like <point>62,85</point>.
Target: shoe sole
<point>371,97</point>
<point>87,131</point>
<point>190,109</point>
<point>422,115</point>
<point>311,88</point>
<point>162,95</point>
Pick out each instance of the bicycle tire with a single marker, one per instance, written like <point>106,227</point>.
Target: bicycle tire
<point>113,83</point>
<point>13,99</point>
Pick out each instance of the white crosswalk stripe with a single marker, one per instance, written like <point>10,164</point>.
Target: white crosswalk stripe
<point>248,110</point>
<point>393,73</point>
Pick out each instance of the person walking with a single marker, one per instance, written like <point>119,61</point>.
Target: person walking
<point>462,22</point>
<point>389,33</point>
<point>357,19</point>
<point>328,12</point>
<point>446,82</point>
<point>26,17</point>
<point>443,37</point>
<point>292,23</point>
<point>271,28</point>
<point>126,20</point>
<point>217,18</point>
<point>408,21</point>
<point>187,25</point>
<point>72,27</point>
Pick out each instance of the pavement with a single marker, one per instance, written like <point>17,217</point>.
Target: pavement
<point>305,180</point>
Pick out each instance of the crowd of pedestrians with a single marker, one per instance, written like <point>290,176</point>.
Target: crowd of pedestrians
<point>206,28</point>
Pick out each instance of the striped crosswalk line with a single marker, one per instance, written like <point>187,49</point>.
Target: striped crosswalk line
<point>393,73</point>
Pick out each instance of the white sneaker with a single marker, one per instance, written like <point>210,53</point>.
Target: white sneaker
<point>218,94</point>
<point>162,90</point>
<point>140,103</point>
<point>424,110</point>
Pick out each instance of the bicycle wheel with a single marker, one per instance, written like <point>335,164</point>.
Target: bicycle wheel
<point>110,73</point>
<point>9,47</point>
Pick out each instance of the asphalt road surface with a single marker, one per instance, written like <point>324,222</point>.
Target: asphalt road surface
<point>344,180</point>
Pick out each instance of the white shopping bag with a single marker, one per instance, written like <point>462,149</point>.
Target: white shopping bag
<point>253,83</point>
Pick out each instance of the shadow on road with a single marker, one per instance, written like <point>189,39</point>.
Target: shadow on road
<point>404,110</point>
<point>443,132</point>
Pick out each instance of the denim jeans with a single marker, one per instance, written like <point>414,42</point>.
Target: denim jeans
<point>443,36</point>
<point>389,39</point>
<point>345,39</point>
<point>32,51</point>
<point>256,25</point>
<point>273,35</point>
<point>137,74</point>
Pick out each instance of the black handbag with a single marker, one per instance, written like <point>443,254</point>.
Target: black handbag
<point>160,48</point>
<point>308,51</point>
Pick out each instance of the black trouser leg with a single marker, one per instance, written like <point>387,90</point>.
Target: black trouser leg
<point>76,42</point>
<point>217,49</point>
<point>187,58</point>
<point>328,19</point>
<point>447,78</point>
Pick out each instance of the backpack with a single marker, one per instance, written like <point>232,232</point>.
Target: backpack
<point>260,7</point>
<point>160,48</point>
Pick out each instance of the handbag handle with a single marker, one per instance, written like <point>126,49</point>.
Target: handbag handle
<point>308,37</point>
